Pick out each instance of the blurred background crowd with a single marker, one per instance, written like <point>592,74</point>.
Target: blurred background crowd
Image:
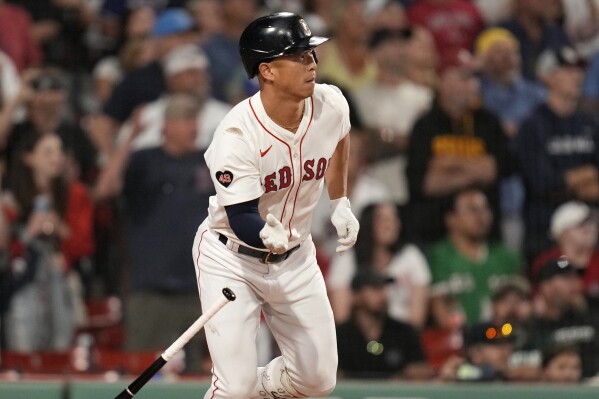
<point>474,174</point>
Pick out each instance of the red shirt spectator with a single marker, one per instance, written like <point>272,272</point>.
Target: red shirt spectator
<point>453,23</point>
<point>15,36</point>
<point>79,217</point>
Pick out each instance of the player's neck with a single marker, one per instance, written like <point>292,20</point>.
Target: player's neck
<point>286,113</point>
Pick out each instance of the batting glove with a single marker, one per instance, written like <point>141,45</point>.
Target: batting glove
<point>345,222</point>
<point>274,236</point>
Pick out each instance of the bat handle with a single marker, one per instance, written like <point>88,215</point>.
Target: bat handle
<point>140,381</point>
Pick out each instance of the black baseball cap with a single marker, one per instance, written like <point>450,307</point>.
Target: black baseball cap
<point>487,333</point>
<point>551,59</point>
<point>369,278</point>
<point>555,267</point>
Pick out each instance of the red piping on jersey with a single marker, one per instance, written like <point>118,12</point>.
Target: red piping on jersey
<point>301,163</point>
<point>290,157</point>
<point>198,261</point>
<point>215,386</point>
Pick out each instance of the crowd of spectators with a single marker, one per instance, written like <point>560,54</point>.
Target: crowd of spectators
<point>474,173</point>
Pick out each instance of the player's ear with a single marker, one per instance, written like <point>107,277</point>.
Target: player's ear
<point>265,70</point>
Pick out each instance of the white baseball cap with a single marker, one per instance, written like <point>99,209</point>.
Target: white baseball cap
<point>568,215</point>
<point>183,58</point>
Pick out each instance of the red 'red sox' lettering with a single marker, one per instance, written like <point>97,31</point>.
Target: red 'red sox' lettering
<point>285,177</point>
<point>309,173</point>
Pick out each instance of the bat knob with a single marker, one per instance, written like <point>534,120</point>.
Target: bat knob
<point>229,294</point>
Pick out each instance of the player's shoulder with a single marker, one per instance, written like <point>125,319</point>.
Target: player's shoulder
<point>330,95</point>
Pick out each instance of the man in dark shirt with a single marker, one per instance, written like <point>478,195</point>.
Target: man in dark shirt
<point>557,148</point>
<point>457,144</point>
<point>165,190</point>
<point>373,345</point>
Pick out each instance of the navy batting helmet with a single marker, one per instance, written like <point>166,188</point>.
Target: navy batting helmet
<point>272,36</point>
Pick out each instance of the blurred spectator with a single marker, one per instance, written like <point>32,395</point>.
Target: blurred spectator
<point>466,264</point>
<point>172,29</point>
<point>346,61</point>
<point>487,349</point>
<point>581,23</point>
<point>46,112</point>
<point>166,191</point>
<point>229,80</point>
<point>136,51</point>
<point>590,94</point>
<point>529,25</point>
<point>512,98</point>
<point>108,72</point>
<point>557,148</point>
<point>511,302</point>
<point>503,89</point>
<point>186,72</point>
<point>574,229</point>
<point>389,106</point>
<point>422,58</point>
<point>53,230</point>
<point>562,365</point>
<point>11,95</point>
<point>371,344</point>
<point>380,249</point>
<point>59,26</point>
<point>208,18</point>
<point>114,15</point>
<point>453,23</point>
<point>454,145</point>
<point>494,11</point>
<point>16,38</point>
<point>562,316</point>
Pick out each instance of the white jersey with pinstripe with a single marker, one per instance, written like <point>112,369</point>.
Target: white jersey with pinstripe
<point>258,158</point>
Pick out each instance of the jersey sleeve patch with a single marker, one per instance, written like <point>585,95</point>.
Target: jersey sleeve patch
<point>225,178</point>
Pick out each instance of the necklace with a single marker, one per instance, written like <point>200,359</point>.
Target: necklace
<point>293,128</point>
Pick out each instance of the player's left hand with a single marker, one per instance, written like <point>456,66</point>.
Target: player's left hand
<point>345,222</point>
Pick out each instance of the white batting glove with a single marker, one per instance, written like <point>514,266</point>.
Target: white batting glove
<point>345,222</point>
<point>274,236</point>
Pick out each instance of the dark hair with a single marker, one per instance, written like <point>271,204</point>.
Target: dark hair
<point>449,203</point>
<point>553,351</point>
<point>22,184</point>
<point>365,245</point>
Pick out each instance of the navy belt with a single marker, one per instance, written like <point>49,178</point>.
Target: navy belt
<point>265,257</point>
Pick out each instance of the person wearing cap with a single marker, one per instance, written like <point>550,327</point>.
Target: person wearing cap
<point>162,187</point>
<point>371,344</point>
<point>574,231</point>
<point>45,97</point>
<point>186,71</point>
<point>456,144</point>
<point>561,315</point>
<point>557,148</point>
<point>511,302</point>
<point>389,106</point>
<point>487,349</point>
<point>171,30</point>
<point>512,98</point>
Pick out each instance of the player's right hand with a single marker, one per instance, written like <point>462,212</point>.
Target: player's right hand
<point>274,236</point>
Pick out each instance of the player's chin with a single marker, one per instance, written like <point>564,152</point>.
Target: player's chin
<point>308,87</point>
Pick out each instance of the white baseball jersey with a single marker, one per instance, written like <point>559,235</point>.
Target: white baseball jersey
<point>258,158</point>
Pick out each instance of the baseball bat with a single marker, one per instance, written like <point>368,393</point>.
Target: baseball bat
<point>135,386</point>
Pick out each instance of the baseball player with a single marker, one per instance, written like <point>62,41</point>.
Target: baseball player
<point>269,160</point>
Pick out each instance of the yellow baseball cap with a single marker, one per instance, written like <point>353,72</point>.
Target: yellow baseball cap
<point>491,36</point>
